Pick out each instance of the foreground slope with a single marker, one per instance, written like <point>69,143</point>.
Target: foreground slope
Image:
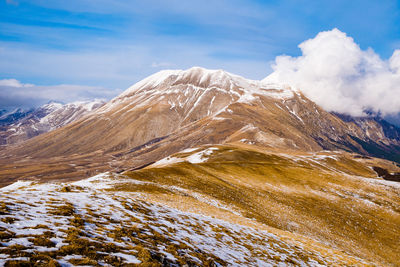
<point>210,206</point>
<point>332,197</point>
<point>173,110</point>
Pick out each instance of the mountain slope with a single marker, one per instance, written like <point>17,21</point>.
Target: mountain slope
<point>44,119</point>
<point>156,107</point>
<point>332,197</point>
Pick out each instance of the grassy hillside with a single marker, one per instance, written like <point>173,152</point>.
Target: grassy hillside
<point>330,197</point>
<point>92,223</point>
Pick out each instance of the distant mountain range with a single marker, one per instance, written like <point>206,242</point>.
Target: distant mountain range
<point>19,125</point>
<point>9,117</point>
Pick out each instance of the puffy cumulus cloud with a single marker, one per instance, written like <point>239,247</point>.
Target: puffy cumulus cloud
<point>13,93</point>
<point>338,75</point>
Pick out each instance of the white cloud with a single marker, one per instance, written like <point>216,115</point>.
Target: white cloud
<point>13,83</point>
<point>13,93</point>
<point>337,74</point>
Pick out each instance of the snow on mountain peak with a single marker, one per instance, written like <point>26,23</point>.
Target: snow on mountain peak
<point>151,81</point>
<point>207,78</point>
<point>186,89</point>
<point>52,106</point>
<point>87,105</point>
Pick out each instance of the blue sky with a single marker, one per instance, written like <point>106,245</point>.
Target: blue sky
<point>107,45</point>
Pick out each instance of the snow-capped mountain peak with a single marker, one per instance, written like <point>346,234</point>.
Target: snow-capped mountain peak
<point>203,78</point>
<point>185,89</point>
<point>52,106</point>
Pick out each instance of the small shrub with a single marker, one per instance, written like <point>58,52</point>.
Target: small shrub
<point>84,261</point>
<point>66,189</point>
<point>8,220</point>
<point>42,241</point>
<point>17,263</point>
<point>3,208</point>
<point>77,221</point>
<point>40,226</point>
<point>6,235</point>
<point>42,259</point>
<point>63,210</point>
<point>143,254</point>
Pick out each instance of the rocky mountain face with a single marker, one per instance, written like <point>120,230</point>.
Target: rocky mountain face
<point>9,117</point>
<point>21,125</point>
<point>377,137</point>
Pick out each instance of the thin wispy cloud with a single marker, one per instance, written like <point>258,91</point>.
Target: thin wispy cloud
<point>12,2</point>
<point>161,65</point>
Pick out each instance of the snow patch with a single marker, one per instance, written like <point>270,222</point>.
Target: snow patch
<point>128,258</point>
<point>167,161</point>
<point>188,150</point>
<point>16,185</point>
<point>201,156</point>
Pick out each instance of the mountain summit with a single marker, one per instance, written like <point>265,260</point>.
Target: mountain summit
<point>188,90</point>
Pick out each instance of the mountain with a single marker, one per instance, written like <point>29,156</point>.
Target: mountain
<point>189,162</point>
<point>174,110</point>
<point>22,125</point>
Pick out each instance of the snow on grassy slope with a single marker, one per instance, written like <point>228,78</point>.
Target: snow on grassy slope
<point>82,223</point>
<point>198,157</point>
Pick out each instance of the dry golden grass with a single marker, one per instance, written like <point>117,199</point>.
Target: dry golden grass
<point>324,199</point>
<point>143,231</point>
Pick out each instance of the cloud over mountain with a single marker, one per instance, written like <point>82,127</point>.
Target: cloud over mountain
<point>337,74</point>
<point>13,93</point>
